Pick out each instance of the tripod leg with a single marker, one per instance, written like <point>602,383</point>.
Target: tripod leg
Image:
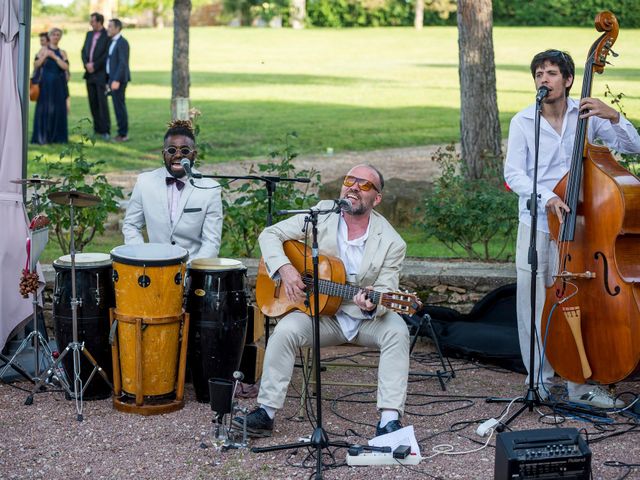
<point>24,344</point>
<point>96,367</point>
<point>16,367</point>
<point>53,368</point>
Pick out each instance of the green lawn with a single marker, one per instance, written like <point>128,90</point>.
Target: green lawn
<point>351,89</point>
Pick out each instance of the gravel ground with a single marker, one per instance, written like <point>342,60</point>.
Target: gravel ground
<point>45,440</point>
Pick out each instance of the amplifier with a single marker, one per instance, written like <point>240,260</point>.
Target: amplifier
<point>550,453</point>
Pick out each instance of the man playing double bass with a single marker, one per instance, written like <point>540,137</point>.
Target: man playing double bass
<point>372,253</point>
<point>554,70</point>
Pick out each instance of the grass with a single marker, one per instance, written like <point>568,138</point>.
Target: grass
<point>349,90</point>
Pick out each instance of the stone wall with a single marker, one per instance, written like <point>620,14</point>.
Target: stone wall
<point>454,284</point>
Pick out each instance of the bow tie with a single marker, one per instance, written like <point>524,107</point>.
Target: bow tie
<point>179,183</point>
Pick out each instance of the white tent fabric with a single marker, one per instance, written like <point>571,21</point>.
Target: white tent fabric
<point>13,218</point>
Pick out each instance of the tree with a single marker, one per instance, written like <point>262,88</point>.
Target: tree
<point>298,13</point>
<point>180,81</point>
<point>479,122</point>
<point>418,21</point>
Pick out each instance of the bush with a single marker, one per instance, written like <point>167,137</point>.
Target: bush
<point>245,216</point>
<point>470,213</point>
<point>564,12</point>
<point>80,174</point>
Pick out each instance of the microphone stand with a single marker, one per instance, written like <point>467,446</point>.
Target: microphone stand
<point>319,439</point>
<point>270,183</point>
<point>532,398</point>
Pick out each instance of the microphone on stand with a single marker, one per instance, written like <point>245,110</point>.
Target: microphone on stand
<point>542,92</point>
<point>186,165</point>
<point>343,205</point>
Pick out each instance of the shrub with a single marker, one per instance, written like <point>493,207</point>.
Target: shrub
<point>77,173</point>
<point>470,213</point>
<point>245,215</point>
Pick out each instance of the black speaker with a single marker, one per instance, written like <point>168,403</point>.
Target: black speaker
<point>544,454</point>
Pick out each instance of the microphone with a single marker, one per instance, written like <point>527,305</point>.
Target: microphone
<point>186,165</point>
<point>238,375</point>
<point>343,204</point>
<point>542,92</point>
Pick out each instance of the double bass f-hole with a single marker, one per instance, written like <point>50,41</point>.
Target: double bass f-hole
<point>606,274</point>
<point>560,292</point>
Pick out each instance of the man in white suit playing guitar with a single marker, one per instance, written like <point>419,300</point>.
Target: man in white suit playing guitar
<point>372,253</point>
<point>174,211</point>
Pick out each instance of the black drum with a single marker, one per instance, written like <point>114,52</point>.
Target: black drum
<point>217,305</point>
<point>94,289</point>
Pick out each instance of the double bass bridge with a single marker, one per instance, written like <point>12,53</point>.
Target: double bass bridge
<point>588,275</point>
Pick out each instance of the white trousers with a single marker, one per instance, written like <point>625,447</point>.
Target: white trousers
<point>389,334</point>
<point>545,248</point>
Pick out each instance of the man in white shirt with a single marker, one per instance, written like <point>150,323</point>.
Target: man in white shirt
<point>372,253</point>
<point>559,117</point>
<point>172,209</point>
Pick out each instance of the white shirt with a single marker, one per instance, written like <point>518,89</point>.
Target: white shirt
<point>554,157</point>
<point>351,253</point>
<point>112,45</point>
<point>173,196</point>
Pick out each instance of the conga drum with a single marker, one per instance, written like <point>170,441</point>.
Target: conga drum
<point>94,291</point>
<point>149,352</point>
<point>216,291</point>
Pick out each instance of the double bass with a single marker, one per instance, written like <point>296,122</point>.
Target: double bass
<point>591,316</point>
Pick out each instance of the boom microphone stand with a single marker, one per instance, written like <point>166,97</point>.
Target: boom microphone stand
<point>270,183</point>
<point>319,439</point>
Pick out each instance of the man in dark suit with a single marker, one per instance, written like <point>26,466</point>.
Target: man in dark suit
<point>94,58</point>
<point>118,76</point>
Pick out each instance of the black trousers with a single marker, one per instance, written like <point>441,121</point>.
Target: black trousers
<point>120,107</point>
<point>99,107</point>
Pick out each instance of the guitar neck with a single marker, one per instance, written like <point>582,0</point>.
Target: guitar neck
<point>344,291</point>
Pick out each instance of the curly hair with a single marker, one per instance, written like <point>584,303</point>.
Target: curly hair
<point>180,127</point>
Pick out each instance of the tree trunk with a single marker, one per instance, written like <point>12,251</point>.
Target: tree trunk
<point>108,8</point>
<point>479,122</point>
<point>180,69</point>
<point>418,21</point>
<point>298,13</point>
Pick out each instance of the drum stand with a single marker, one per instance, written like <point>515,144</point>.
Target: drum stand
<point>75,346</point>
<point>37,241</point>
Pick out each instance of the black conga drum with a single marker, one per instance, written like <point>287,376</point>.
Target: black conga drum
<point>217,305</point>
<point>94,290</point>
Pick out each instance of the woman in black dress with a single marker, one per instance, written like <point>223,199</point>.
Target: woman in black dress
<point>50,119</point>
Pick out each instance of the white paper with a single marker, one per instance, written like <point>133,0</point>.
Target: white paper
<point>404,436</point>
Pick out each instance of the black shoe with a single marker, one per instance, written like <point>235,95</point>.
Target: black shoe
<point>258,423</point>
<point>391,426</point>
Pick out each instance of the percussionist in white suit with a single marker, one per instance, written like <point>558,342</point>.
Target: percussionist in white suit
<point>174,211</point>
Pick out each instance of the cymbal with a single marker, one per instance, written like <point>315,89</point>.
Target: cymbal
<point>77,199</point>
<point>34,181</point>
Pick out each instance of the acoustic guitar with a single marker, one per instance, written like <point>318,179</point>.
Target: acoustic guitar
<point>273,301</point>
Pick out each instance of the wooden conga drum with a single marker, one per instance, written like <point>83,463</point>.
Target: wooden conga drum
<point>151,328</point>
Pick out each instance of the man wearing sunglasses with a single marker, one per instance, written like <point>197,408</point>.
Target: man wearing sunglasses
<point>173,210</point>
<point>554,70</point>
<point>372,253</point>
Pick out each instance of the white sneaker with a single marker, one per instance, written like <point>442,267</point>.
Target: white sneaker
<point>598,397</point>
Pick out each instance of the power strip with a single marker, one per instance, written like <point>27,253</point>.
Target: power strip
<point>376,458</point>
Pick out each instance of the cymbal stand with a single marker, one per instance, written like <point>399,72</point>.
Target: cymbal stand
<point>39,340</point>
<point>75,346</point>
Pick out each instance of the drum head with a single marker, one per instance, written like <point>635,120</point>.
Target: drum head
<point>85,260</point>
<point>150,254</point>
<point>216,264</point>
